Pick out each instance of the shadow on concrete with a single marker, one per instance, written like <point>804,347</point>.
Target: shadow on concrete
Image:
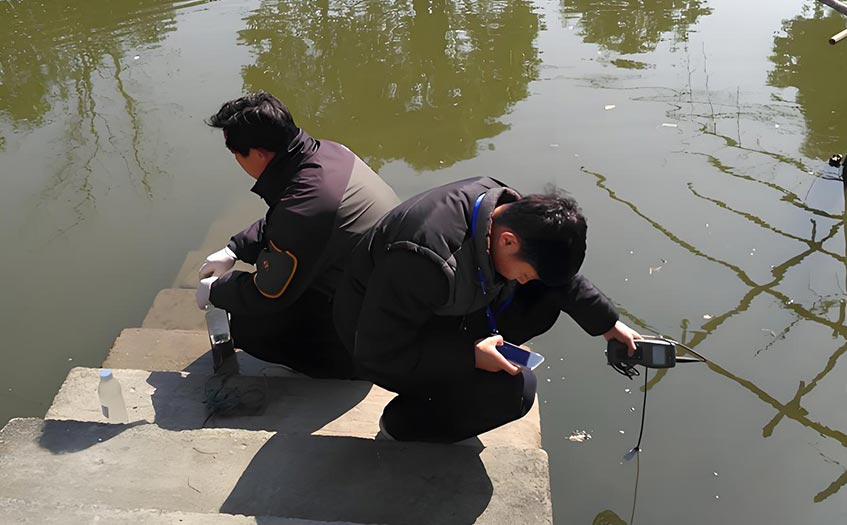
<point>363,481</point>
<point>67,436</point>
<point>285,404</point>
<point>247,364</point>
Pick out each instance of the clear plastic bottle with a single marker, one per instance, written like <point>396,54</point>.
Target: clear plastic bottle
<point>218,324</point>
<point>111,398</point>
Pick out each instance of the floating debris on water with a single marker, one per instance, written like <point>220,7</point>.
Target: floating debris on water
<point>716,473</point>
<point>707,316</point>
<point>628,390</point>
<point>579,436</point>
<point>621,432</point>
<point>668,125</point>
<point>654,269</point>
<point>554,145</point>
<point>609,106</point>
<point>632,409</point>
<point>769,331</point>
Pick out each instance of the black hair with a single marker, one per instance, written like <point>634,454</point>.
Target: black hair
<point>257,120</point>
<point>552,232</point>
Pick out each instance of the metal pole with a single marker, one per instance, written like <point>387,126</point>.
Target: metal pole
<point>838,38</point>
<point>839,6</point>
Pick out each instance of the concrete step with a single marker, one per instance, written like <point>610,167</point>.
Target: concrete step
<point>175,309</point>
<point>240,213</point>
<point>188,274</point>
<point>288,405</point>
<point>257,473</point>
<point>160,349</point>
<point>16,511</point>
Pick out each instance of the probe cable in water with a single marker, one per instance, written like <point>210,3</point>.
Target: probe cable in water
<point>651,352</point>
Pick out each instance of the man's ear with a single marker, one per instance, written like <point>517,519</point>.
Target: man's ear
<point>510,242</point>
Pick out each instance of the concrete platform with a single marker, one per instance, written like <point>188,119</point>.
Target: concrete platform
<point>287,405</point>
<point>14,512</point>
<point>175,309</point>
<point>257,473</point>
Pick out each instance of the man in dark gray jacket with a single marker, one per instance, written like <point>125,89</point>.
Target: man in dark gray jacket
<point>321,199</point>
<point>442,280</point>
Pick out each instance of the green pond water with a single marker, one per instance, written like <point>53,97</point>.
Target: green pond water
<point>693,133</point>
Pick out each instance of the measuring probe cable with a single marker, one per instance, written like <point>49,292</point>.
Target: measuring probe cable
<point>630,371</point>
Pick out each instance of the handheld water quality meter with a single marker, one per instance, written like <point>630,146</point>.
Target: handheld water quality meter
<point>652,353</point>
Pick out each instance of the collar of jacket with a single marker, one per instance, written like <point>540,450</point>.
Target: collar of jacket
<point>279,172</point>
<point>492,198</point>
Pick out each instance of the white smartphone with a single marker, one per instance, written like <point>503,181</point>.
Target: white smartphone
<point>519,356</point>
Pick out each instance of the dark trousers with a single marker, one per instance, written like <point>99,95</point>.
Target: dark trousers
<point>302,337</point>
<point>453,411</point>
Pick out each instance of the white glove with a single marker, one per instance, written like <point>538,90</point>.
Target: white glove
<point>218,263</point>
<point>203,291</point>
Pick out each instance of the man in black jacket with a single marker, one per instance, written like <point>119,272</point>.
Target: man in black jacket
<point>442,280</point>
<point>321,200</point>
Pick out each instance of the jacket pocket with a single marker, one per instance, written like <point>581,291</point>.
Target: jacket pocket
<point>274,271</point>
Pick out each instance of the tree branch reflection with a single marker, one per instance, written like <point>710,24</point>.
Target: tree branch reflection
<point>792,409</point>
<point>60,61</point>
<point>422,81</point>
<point>634,26</point>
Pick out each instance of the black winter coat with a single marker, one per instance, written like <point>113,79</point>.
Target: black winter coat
<point>419,264</point>
<point>321,200</point>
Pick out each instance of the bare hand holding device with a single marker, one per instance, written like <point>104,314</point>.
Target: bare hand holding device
<point>520,355</point>
<point>489,359</point>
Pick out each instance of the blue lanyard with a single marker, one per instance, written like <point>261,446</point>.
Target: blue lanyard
<point>492,324</point>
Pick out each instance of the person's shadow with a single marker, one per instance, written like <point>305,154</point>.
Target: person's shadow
<point>345,477</point>
<point>262,396</point>
<point>326,478</point>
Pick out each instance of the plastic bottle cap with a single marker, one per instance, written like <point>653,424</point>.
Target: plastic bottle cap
<point>106,372</point>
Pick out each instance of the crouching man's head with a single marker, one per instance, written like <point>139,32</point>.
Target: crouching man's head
<point>256,127</point>
<point>538,237</point>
